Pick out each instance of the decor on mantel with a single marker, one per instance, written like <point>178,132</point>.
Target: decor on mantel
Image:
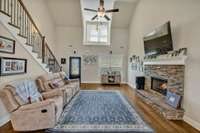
<point>12,66</point>
<point>174,57</point>
<point>7,45</point>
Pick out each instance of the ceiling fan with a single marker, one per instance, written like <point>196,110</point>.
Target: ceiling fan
<point>101,12</point>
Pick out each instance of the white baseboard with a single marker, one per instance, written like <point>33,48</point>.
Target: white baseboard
<point>5,119</point>
<point>131,85</point>
<point>91,82</point>
<point>192,122</point>
<point>97,82</point>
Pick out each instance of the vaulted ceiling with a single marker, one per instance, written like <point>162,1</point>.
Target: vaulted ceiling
<point>69,13</point>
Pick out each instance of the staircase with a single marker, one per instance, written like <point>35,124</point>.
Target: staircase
<point>16,18</point>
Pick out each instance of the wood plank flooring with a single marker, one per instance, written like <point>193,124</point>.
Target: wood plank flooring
<point>157,122</point>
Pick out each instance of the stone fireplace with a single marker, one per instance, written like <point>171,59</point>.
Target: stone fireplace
<point>159,79</point>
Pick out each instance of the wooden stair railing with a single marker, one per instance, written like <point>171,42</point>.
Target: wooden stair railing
<point>21,19</point>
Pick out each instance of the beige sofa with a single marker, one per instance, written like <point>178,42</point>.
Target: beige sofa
<point>29,117</point>
<point>69,88</point>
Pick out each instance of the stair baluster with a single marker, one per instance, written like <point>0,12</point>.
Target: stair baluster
<point>21,19</point>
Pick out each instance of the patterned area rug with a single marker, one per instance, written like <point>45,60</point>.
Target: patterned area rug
<point>99,112</point>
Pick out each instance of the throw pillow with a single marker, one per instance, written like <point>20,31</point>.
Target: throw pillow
<point>55,84</point>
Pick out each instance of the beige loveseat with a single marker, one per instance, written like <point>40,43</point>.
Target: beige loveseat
<point>69,88</point>
<point>38,115</point>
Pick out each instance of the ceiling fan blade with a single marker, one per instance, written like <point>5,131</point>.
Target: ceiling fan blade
<point>94,17</point>
<point>107,18</point>
<point>92,10</point>
<point>101,3</point>
<point>112,10</point>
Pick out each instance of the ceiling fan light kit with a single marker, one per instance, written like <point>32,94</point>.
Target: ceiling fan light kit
<point>101,12</point>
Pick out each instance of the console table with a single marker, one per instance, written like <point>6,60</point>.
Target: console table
<point>110,79</point>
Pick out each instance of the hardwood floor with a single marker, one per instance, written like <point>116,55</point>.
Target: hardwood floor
<point>157,122</point>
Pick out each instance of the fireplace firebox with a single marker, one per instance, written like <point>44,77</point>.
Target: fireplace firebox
<point>159,85</point>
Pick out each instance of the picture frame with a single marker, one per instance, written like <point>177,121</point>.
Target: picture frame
<point>63,60</point>
<point>51,62</point>
<point>173,99</point>
<point>7,45</point>
<point>90,59</point>
<point>12,66</point>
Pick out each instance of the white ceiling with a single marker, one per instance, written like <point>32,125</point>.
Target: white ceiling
<point>123,18</point>
<point>68,12</point>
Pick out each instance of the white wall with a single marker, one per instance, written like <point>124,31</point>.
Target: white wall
<point>33,70</point>
<point>185,20</point>
<point>66,36</point>
<point>43,19</point>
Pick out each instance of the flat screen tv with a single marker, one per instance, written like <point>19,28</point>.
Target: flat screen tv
<point>159,41</point>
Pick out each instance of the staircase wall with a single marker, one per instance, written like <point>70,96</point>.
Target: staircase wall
<point>33,70</point>
<point>43,19</point>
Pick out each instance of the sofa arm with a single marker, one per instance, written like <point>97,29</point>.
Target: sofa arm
<point>74,80</point>
<point>52,93</point>
<point>8,99</point>
<point>34,116</point>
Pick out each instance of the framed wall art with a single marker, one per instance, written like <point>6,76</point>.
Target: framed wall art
<point>90,59</point>
<point>12,66</point>
<point>63,60</point>
<point>7,45</point>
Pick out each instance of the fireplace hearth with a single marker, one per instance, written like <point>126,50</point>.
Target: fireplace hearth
<point>159,85</point>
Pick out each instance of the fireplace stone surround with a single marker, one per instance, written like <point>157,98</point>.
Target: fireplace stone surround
<point>174,75</point>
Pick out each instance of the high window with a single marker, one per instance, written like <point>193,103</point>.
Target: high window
<point>97,32</point>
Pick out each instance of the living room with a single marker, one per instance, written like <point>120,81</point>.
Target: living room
<point>99,66</point>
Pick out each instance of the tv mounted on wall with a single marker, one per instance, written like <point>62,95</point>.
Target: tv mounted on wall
<point>159,41</point>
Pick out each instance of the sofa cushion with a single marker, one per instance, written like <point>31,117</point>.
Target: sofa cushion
<point>71,85</point>
<point>44,81</point>
<point>40,85</point>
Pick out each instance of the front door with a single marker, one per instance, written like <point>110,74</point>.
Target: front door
<point>75,68</point>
